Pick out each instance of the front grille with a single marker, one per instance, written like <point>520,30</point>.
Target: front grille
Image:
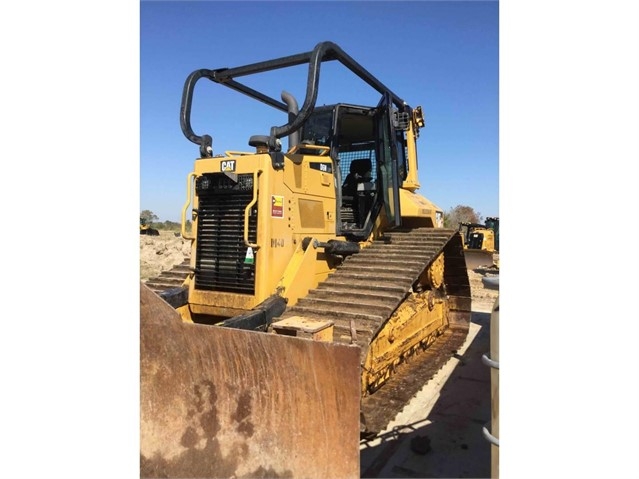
<point>220,262</point>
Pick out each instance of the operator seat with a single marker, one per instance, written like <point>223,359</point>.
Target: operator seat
<point>360,170</point>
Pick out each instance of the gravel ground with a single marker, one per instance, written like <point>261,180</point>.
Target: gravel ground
<point>161,253</point>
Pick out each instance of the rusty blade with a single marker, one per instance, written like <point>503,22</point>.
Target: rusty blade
<point>216,402</point>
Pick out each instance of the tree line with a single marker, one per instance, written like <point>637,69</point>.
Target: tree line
<point>461,214</point>
<point>152,220</point>
<point>452,218</point>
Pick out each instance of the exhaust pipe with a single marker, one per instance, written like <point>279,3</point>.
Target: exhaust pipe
<point>293,110</point>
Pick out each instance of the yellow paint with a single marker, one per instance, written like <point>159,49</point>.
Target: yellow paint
<point>415,324</point>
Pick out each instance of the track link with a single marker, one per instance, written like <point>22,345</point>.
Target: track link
<point>363,292</point>
<point>169,279</point>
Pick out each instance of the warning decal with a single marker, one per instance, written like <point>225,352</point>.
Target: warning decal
<point>277,206</point>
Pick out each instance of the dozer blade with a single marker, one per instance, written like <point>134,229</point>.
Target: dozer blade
<point>218,402</point>
<point>477,257</point>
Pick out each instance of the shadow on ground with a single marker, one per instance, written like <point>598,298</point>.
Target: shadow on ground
<point>448,441</point>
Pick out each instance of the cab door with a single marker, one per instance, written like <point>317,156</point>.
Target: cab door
<point>388,159</point>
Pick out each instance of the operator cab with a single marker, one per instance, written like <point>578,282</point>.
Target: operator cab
<point>360,144</point>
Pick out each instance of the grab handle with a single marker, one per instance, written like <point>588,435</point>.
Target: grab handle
<point>189,200</point>
<point>247,211</point>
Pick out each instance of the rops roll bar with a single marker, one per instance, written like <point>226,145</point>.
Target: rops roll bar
<point>324,51</point>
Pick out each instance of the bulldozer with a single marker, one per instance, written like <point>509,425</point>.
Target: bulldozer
<point>321,293</point>
<point>481,242</point>
<point>145,228</point>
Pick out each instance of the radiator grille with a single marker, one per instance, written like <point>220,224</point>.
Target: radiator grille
<point>221,253</point>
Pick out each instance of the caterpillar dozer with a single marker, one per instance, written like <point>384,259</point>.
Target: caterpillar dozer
<point>322,290</point>
<point>145,228</point>
<point>481,242</point>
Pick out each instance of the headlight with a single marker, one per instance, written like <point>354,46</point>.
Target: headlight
<point>203,183</point>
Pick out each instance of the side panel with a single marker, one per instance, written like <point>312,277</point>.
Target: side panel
<point>217,402</point>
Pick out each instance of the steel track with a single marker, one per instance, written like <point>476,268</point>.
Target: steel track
<point>172,278</point>
<point>362,294</point>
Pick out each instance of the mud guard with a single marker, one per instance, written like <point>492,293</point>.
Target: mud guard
<point>218,402</point>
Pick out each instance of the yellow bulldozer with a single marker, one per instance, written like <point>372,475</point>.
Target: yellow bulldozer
<point>145,228</point>
<point>481,242</point>
<point>321,293</point>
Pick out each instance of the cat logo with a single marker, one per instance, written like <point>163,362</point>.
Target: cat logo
<point>228,165</point>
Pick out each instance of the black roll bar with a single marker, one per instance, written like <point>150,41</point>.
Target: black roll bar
<point>324,51</point>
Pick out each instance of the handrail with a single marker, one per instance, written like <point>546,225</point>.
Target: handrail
<point>189,200</point>
<point>247,211</point>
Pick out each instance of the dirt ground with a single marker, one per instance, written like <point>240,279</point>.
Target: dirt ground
<point>161,253</point>
<point>483,297</point>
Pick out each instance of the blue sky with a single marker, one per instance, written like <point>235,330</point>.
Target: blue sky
<point>443,56</point>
